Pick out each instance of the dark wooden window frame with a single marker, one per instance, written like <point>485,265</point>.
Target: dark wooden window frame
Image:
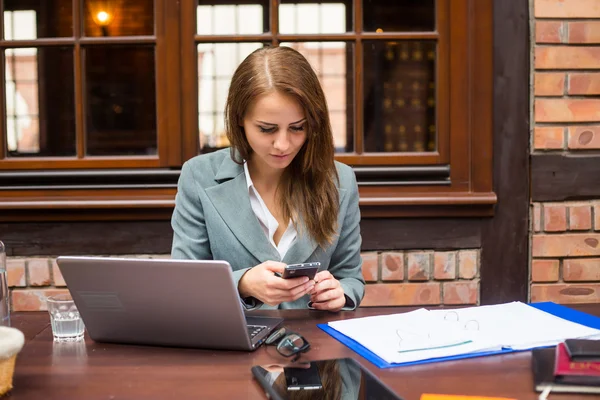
<point>456,181</point>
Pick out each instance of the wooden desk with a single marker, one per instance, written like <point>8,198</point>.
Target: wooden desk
<point>106,371</point>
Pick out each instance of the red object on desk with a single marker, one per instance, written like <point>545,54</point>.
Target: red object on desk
<point>576,372</point>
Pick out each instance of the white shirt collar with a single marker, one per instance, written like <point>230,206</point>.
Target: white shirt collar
<point>249,182</point>
<point>268,223</point>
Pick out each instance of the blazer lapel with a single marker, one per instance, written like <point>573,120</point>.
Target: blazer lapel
<point>305,246</point>
<point>231,201</point>
<point>302,248</point>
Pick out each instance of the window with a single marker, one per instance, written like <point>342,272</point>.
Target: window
<point>105,99</point>
<point>80,84</point>
<point>408,86</point>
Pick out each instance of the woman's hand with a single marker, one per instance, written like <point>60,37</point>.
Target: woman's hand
<point>261,283</point>
<point>328,293</point>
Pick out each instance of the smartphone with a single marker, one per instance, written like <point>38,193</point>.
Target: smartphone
<point>304,269</point>
<point>343,378</point>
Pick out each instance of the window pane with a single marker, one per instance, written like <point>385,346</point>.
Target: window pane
<point>399,92</point>
<point>232,19</point>
<point>399,15</point>
<point>37,19</point>
<point>40,102</point>
<point>120,98</point>
<point>119,18</point>
<point>333,63</point>
<point>322,17</point>
<point>216,65</point>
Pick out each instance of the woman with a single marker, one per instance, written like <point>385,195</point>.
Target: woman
<point>277,196</point>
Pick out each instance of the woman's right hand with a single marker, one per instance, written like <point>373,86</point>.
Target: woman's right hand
<point>261,283</point>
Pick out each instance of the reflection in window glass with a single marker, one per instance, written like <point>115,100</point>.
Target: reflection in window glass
<point>120,94</point>
<point>20,25</point>
<point>399,15</point>
<point>332,62</point>
<point>22,118</point>
<point>49,18</point>
<point>234,19</point>
<point>216,65</point>
<point>308,18</point>
<point>399,102</point>
<point>39,102</point>
<point>22,122</point>
<point>119,18</point>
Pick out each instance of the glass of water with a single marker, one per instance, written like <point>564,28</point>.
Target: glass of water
<point>67,325</point>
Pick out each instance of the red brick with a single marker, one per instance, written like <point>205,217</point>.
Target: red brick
<point>39,272</point>
<point>392,266</point>
<point>566,9</point>
<point>467,264</point>
<point>584,32</point>
<point>549,84</point>
<point>567,110</point>
<point>57,276</point>
<point>461,292</point>
<point>567,57</point>
<point>419,266</point>
<point>584,84</point>
<point>584,137</point>
<point>544,270</point>
<point>15,272</point>
<point>549,31</point>
<point>401,294</point>
<point>370,266</point>
<point>582,269</point>
<point>444,265</point>
<point>537,217</point>
<point>566,293</point>
<point>555,218</point>
<point>33,299</point>
<point>568,245</point>
<point>580,218</point>
<point>549,137</point>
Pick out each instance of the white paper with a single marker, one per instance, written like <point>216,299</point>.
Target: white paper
<point>423,334</point>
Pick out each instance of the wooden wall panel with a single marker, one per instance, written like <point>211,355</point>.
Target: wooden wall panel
<point>558,177</point>
<point>504,258</point>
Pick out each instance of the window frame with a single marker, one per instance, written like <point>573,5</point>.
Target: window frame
<point>456,181</point>
<point>464,116</point>
<point>168,146</point>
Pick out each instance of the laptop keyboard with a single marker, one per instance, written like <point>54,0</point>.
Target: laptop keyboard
<point>254,330</point>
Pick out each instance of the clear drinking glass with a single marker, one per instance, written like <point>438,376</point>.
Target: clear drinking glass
<point>67,325</point>
<point>4,293</point>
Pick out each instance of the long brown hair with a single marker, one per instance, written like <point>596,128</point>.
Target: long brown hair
<point>307,189</point>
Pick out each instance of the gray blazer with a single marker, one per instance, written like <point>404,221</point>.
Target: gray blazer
<point>213,220</point>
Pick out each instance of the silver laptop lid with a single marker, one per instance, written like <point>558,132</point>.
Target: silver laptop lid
<point>184,303</point>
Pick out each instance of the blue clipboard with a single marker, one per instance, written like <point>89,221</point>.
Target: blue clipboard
<point>551,308</point>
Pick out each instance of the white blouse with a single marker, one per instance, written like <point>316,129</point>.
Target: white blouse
<point>267,221</point>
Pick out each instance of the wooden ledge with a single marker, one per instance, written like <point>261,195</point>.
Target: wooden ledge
<point>159,206</point>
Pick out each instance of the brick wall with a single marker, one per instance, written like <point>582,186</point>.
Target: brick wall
<point>565,248</point>
<point>421,278</point>
<point>394,278</point>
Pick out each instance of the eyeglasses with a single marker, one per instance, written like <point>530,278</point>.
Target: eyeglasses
<point>288,343</point>
<point>409,341</point>
<point>470,325</point>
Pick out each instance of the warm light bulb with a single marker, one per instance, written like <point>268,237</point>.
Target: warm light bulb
<point>103,17</point>
<point>379,30</point>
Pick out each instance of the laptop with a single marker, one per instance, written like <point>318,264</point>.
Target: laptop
<point>180,303</point>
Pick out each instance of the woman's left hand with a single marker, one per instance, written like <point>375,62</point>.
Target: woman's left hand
<point>327,293</point>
